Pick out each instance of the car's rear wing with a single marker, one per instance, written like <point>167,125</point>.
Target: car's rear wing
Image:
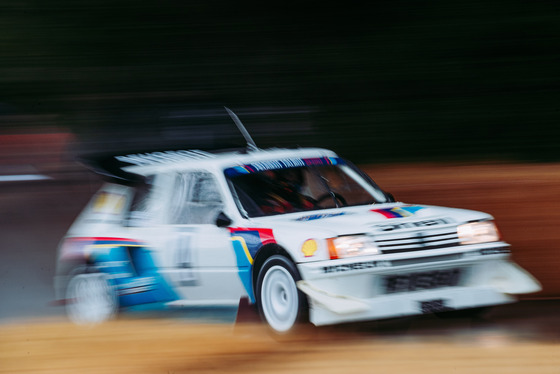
<point>111,166</point>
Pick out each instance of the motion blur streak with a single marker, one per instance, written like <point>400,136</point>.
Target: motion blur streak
<point>387,81</point>
<point>471,87</point>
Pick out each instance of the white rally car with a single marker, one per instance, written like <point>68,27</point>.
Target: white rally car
<point>301,233</point>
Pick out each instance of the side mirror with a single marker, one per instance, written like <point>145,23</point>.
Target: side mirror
<point>223,220</point>
<point>390,197</point>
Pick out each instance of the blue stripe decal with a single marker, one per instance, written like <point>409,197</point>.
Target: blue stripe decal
<point>281,164</point>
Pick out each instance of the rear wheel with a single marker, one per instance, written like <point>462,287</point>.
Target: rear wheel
<point>90,299</point>
<point>279,301</point>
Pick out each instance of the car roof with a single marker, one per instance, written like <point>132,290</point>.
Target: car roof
<point>177,160</point>
<point>127,168</point>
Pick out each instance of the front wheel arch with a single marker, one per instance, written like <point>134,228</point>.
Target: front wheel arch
<point>279,302</point>
<point>263,254</point>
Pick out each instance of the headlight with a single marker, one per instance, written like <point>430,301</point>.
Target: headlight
<point>350,246</point>
<point>478,232</point>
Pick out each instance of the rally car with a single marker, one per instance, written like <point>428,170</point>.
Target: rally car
<point>302,234</point>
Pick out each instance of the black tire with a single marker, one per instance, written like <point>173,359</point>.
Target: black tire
<point>91,299</point>
<point>280,303</point>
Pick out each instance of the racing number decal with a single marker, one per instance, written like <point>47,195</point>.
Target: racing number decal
<point>184,260</point>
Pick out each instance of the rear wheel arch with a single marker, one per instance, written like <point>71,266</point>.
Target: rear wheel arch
<point>91,298</point>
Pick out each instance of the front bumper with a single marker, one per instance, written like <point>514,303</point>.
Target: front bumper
<point>400,285</point>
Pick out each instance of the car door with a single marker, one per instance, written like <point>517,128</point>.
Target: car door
<point>201,261</point>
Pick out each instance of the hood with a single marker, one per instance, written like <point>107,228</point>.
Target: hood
<point>373,218</point>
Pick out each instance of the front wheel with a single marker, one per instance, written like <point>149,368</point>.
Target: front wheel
<point>90,299</point>
<point>280,303</point>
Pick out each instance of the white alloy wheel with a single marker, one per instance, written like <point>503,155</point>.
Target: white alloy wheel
<point>278,294</point>
<point>90,299</point>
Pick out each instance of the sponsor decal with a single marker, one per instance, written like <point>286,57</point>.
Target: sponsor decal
<point>355,266</point>
<point>398,212</point>
<point>184,276</point>
<point>137,285</point>
<point>281,164</point>
<point>129,265</point>
<point>487,252</point>
<point>434,306</point>
<point>319,216</point>
<point>410,225</point>
<point>422,281</point>
<point>240,241</point>
<point>494,251</point>
<point>253,239</point>
<point>83,247</point>
<point>246,242</point>
<point>107,202</point>
<point>163,157</point>
<point>309,248</point>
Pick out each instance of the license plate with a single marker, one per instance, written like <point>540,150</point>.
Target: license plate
<point>434,306</point>
<point>422,281</point>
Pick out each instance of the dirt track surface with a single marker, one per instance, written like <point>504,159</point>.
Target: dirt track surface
<point>160,346</point>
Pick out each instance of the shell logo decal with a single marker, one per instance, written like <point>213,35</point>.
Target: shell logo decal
<point>309,248</point>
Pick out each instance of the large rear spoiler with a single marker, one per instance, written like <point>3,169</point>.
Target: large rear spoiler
<point>110,168</point>
<point>111,165</point>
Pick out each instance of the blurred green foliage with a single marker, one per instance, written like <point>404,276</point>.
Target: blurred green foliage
<point>386,80</point>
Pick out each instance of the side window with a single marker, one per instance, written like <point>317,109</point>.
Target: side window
<point>139,214</point>
<point>196,200</point>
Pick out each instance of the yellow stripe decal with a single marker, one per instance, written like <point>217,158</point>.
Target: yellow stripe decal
<point>241,240</point>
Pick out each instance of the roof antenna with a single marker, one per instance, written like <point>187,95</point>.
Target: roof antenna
<point>251,146</point>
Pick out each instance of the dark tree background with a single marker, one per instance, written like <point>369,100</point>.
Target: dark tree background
<point>376,81</point>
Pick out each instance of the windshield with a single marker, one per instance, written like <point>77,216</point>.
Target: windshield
<point>287,186</point>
